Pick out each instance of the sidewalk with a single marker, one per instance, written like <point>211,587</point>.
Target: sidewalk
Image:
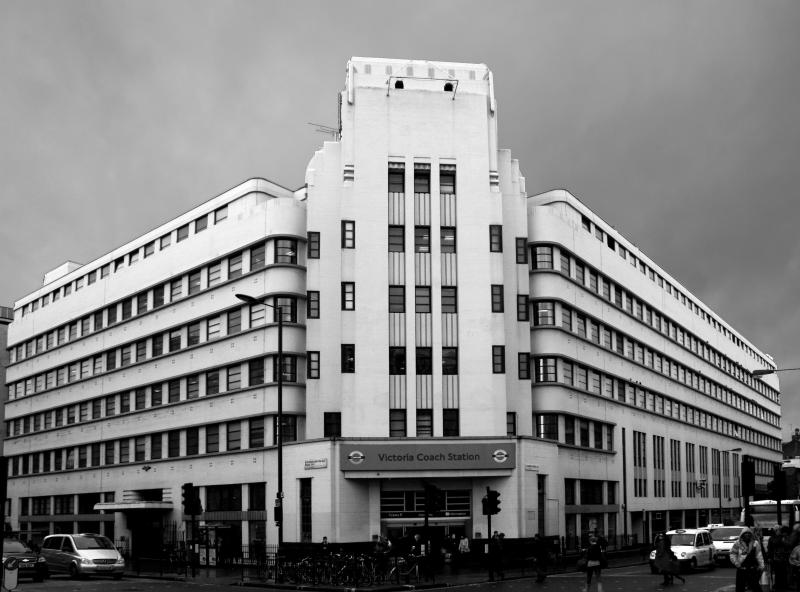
<point>444,577</point>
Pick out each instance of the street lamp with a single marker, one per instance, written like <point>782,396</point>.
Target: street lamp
<point>252,300</point>
<point>765,371</point>
<point>719,468</point>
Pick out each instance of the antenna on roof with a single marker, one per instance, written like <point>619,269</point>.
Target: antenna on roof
<point>325,129</point>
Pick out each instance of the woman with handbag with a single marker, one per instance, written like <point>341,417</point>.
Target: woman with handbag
<point>748,558</point>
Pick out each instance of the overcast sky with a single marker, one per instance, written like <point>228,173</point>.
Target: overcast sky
<point>678,122</point>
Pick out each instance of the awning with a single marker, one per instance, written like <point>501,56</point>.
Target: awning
<point>130,506</point>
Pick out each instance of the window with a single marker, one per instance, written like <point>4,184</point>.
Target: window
<point>111,314</point>
<point>332,425</point>
<point>139,398</point>
<point>220,214</point>
<point>348,234</point>
<point>174,443</point>
<point>449,361</point>
<point>348,358</point>
<point>212,382</point>
<point>449,299</point>
<point>158,345</point>
<point>312,368</point>
<point>422,179</point>
<point>498,359</point>
<point>212,438</point>
<point>235,266</point>
<point>448,239</point>
<point>124,451</point>
<point>194,282</point>
<point>286,250</point>
<point>233,439</point>
<point>192,441</point>
<point>312,304</point>
<point>174,340</point>
<point>200,224</point>
<point>192,386</point>
<point>214,273</point>
<point>149,249</point>
<point>543,258</point>
<point>289,368</point>
<point>522,307</point>
<point>183,233</point>
<point>422,299</point>
<point>397,423</point>
<point>511,424</point>
<point>397,299</point>
<point>234,373</point>
<point>497,298</point>
<point>524,362</point>
<point>174,391</point>
<point>313,245</point>
<point>447,180</point>
<point>397,239</point>
<point>257,257</point>
<point>495,238</point>
<point>424,422</point>
<point>545,369</point>
<point>255,372</point>
<point>193,334</point>
<point>422,239</point>
<point>234,321</point>
<point>521,245</point>
<point>175,289</point>
<point>156,395</point>
<point>544,313</point>
<point>158,296</point>
<point>155,447</point>
<point>424,361</point>
<point>547,426</point>
<point>256,430</point>
<point>348,296</point>
<point>397,360</point>
<point>213,328</point>
<point>397,179</point>
<point>164,241</point>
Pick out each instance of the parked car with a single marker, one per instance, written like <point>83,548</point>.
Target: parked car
<point>31,564</point>
<point>692,546</point>
<point>723,538</point>
<point>82,554</point>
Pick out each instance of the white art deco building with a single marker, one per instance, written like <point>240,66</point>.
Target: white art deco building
<point>441,326</point>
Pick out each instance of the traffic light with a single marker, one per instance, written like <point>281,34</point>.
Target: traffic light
<point>434,499</point>
<point>191,500</point>
<point>187,497</point>
<point>778,483</point>
<point>278,515</point>
<point>748,477</point>
<point>491,502</point>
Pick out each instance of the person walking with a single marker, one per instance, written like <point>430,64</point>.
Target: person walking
<point>747,556</point>
<point>778,553</point>
<point>666,562</point>
<point>541,557</point>
<point>794,564</point>
<point>595,557</point>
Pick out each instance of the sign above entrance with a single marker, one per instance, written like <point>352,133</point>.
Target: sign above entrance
<point>418,456</point>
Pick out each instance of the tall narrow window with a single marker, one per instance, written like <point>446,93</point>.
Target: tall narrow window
<point>397,423</point>
<point>397,178</point>
<point>448,239</point>
<point>397,299</point>
<point>522,307</point>
<point>497,298</point>
<point>312,304</point>
<point>200,224</point>
<point>286,251</point>
<point>449,299</point>
<point>524,361</point>
<point>313,245</point>
<point>422,239</point>
<point>447,179</point>
<point>498,359</point>
<point>348,296</point>
<point>543,258</point>
<point>348,234</point>
<point>312,368</point>
<point>422,178</point>
<point>397,240</point>
<point>495,238</point>
<point>397,361</point>
<point>348,358</point>
<point>422,299</point>
<point>522,249</point>
<point>449,361</point>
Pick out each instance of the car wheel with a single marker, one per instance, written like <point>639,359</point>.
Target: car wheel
<point>73,571</point>
<point>693,564</point>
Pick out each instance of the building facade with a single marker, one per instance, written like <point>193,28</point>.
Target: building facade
<point>441,327</point>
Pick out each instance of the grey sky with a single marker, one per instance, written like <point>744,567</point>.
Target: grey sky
<point>678,122</point>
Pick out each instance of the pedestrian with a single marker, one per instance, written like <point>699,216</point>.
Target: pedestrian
<point>594,554</point>
<point>496,555</point>
<point>666,562</point>
<point>541,557</point>
<point>794,563</point>
<point>747,556</point>
<point>778,552</point>
<point>463,550</point>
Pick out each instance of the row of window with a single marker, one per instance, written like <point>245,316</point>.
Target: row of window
<point>398,421</point>
<point>422,178</point>
<point>546,313</point>
<point>655,277</point>
<point>217,326</point>
<point>233,266</point>
<point>551,369</point>
<point>193,441</point>
<point>589,492</point>
<point>225,379</point>
<point>596,282</point>
<point>696,483</point>
<point>577,431</point>
<point>142,252</point>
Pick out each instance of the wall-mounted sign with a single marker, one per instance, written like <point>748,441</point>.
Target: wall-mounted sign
<point>316,463</point>
<point>420,456</point>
